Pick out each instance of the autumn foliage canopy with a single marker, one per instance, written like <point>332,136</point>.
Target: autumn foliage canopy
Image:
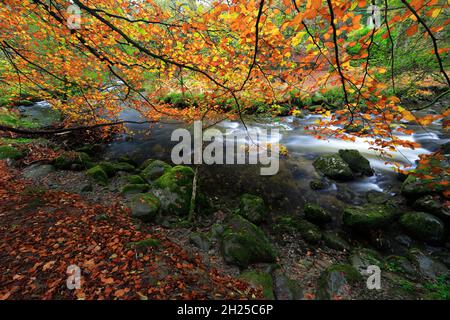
<point>122,53</point>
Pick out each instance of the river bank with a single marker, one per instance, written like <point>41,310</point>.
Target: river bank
<point>298,217</point>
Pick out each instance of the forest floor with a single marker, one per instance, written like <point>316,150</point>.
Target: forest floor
<point>45,231</point>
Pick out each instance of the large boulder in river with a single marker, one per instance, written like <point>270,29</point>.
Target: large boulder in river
<point>252,208</point>
<point>357,163</point>
<point>243,243</point>
<point>154,170</point>
<point>423,226</point>
<point>368,217</point>
<point>333,166</point>
<point>174,189</point>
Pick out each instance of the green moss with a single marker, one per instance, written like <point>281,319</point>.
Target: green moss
<point>69,158</point>
<point>252,208</point>
<point>123,166</point>
<point>174,188</point>
<point>368,217</point>
<point>147,243</point>
<point>17,141</point>
<point>243,243</point>
<point>96,173</point>
<point>333,167</point>
<point>316,214</point>
<point>135,188</point>
<point>357,163</point>
<point>145,206</point>
<point>7,152</point>
<point>108,168</point>
<point>155,169</point>
<point>423,226</point>
<point>135,179</point>
<point>309,232</point>
<point>261,279</point>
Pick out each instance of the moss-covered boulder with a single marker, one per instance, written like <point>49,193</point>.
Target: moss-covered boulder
<point>135,188</point>
<point>127,159</point>
<point>334,241</point>
<point>415,185</point>
<point>200,240</point>
<point>260,280</point>
<point>7,152</point>
<point>145,207</point>
<point>97,174</point>
<point>362,258</point>
<point>368,217</point>
<point>252,208</point>
<point>285,288</point>
<point>69,159</point>
<point>108,167</point>
<point>243,243</point>
<point>336,282</point>
<point>154,170</point>
<point>174,189</point>
<point>333,167</point>
<point>423,226</point>
<point>294,225</point>
<point>316,214</point>
<point>357,163</point>
<point>124,166</point>
<point>318,184</point>
<point>135,179</point>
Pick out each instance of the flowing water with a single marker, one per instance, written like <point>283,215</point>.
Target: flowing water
<point>288,190</point>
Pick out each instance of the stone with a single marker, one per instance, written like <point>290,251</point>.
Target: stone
<point>69,158</point>
<point>123,166</point>
<point>368,217</point>
<point>108,168</point>
<point>243,243</point>
<point>145,207</point>
<point>154,170</point>
<point>38,171</point>
<point>135,188</point>
<point>260,279</point>
<point>316,214</point>
<point>333,167</point>
<point>285,288</point>
<point>362,258</point>
<point>86,187</point>
<point>334,241</point>
<point>335,282</point>
<point>318,184</point>
<point>309,232</point>
<point>135,179</point>
<point>427,266</point>
<point>97,174</point>
<point>423,226</point>
<point>200,240</point>
<point>357,163</point>
<point>415,187</point>
<point>377,197</point>
<point>174,189</point>
<point>252,208</point>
